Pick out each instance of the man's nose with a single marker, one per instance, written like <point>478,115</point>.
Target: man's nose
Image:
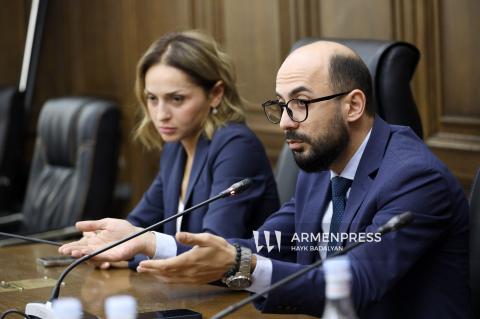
<point>286,123</point>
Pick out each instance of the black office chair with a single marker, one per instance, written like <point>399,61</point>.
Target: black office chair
<point>475,244</point>
<point>74,166</point>
<point>391,64</point>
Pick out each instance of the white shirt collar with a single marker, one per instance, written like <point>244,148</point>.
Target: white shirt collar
<point>352,165</point>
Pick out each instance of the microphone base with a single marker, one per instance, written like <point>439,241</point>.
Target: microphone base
<point>38,310</point>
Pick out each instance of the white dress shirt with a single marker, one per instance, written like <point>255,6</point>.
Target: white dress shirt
<point>181,208</point>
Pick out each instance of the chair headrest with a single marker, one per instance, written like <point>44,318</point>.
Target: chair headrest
<point>57,129</point>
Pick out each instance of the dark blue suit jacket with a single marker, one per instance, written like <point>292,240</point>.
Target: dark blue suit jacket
<point>233,153</point>
<point>420,271</point>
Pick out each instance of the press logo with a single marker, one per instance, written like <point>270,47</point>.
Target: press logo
<point>313,241</point>
<point>266,233</point>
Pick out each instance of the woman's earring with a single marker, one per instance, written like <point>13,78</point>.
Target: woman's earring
<point>214,111</point>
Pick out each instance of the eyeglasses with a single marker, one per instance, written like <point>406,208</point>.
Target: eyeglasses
<point>297,109</point>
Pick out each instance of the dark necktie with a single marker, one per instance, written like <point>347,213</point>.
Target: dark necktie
<point>340,186</point>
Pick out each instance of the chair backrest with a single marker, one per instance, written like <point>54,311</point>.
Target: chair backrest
<point>74,164</point>
<point>286,172</point>
<point>475,243</point>
<point>391,64</point>
<point>11,146</point>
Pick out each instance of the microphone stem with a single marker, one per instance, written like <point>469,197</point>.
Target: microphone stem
<point>35,240</point>
<point>56,290</point>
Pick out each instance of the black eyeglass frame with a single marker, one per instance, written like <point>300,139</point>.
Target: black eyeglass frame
<point>289,111</point>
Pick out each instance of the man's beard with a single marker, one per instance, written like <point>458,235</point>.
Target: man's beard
<point>325,148</point>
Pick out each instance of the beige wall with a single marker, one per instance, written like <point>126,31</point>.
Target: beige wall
<point>91,47</point>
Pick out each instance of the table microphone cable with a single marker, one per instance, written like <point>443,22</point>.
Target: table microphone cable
<point>14,311</point>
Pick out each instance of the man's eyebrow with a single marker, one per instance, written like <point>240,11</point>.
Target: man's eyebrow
<point>296,91</point>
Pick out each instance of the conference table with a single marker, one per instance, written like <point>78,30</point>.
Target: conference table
<point>22,280</point>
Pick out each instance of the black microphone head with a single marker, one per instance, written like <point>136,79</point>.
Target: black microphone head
<point>403,220</point>
<point>237,188</point>
<point>399,221</point>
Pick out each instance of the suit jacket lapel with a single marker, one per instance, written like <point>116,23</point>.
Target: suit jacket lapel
<point>199,161</point>
<point>172,187</point>
<point>369,164</point>
<point>311,220</point>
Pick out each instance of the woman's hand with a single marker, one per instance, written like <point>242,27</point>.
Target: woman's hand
<point>103,232</point>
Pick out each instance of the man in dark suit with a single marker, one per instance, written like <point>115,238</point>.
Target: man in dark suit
<point>357,172</point>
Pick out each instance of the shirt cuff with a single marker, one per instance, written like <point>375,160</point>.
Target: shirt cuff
<point>262,275</point>
<point>166,246</point>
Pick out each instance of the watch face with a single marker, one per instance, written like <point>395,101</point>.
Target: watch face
<point>239,282</point>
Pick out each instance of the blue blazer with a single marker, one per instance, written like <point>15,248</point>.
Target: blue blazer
<point>420,271</point>
<point>233,153</point>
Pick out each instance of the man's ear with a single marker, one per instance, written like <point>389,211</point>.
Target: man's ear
<point>355,105</point>
<point>216,94</point>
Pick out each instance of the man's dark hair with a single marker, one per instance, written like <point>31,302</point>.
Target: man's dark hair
<point>348,72</point>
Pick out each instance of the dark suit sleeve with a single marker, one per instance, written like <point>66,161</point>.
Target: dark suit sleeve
<point>147,212</point>
<point>150,208</point>
<point>376,266</point>
<point>235,157</point>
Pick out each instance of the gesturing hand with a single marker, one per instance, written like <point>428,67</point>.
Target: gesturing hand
<point>209,259</point>
<point>105,231</point>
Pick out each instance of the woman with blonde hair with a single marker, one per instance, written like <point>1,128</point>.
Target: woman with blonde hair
<point>193,113</point>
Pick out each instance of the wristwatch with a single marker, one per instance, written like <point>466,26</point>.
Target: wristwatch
<point>242,278</point>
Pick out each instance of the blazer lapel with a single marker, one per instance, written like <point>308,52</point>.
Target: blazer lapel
<point>199,161</point>
<point>311,220</point>
<point>172,187</point>
<point>369,164</point>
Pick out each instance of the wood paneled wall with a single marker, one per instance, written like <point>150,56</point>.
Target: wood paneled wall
<point>13,29</point>
<point>91,47</point>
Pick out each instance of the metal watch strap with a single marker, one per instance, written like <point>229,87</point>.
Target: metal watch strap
<point>245,261</point>
<point>242,279</point>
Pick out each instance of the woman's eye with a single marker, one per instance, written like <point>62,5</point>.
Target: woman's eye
<point>177,99</point>
<point>151,98</point>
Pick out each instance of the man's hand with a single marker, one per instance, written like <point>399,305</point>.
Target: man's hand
<point>209,259</point>
<point>99,233</point>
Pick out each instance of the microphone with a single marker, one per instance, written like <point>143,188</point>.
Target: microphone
<point>44,311</point>
<point>237,188</point>
<point>395,223</point>
<point>31,239</point>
